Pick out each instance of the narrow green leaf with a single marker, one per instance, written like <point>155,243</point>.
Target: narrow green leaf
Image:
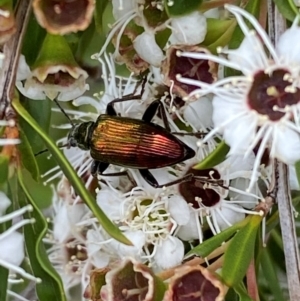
<point>38,189</point>
<point>27,156</point>
<point>287,8</point>
<point>217,156</point>
<point>219,33</point>
<point>4,169</point>
<point>72,176</point>
<point>209,245</point>
<point>181,7</point>
<point>51,287</point>
<point>40,110</point>
<point>242,292</point>
<point>270,275</point>
<point>99,9</point>
<point>240,252</point>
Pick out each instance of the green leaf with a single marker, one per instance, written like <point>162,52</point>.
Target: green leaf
<point>181,7</point>
<point>217,156</point>
<point>271,275</point>
<point>32,41</point>
<point>51,287</point>
<point>240,252</point>
<point>209,245</point>
<point>38,189</point>
<point>287,8</point>
<point>162,37</point>
<point>40,110</point>
<point>98,13</point>
<point>242,292</point>
<point>4,169</point>
<point>27,156</point>
<point>219,33</point>
<point>72,176</point>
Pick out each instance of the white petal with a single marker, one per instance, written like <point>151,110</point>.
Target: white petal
<point>66,219</point>
<point>23,69</point>
<point>93,244</point>
<point>289,51</point>
<point>12,248</point>
<point>138,238</point>
<point>109,201</point>
<point>4,203</point>
<point>189,29</point>
<point>189,231</point>
<point>236,163</point>
<point>147,48</point>
<point>248,201</point>
<point>179,209</point>
<point>287,145</point>
<point>30,92</point>
<point>170,253</point>
<point>230,215</point>
<point>199,113</point>
<point>248,55</point>
<point>240,133</point>
<point>72,93</point>
<point>223,109</point>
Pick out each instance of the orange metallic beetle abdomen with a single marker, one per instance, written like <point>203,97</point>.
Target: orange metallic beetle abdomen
<point>136,144</point>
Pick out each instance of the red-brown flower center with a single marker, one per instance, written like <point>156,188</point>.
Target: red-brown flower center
<point>199,189</point>
<point>270,94</point>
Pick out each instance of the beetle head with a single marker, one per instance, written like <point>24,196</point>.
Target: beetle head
<point>80,135</point>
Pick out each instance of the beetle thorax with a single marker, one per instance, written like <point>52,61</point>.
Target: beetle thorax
<point>80,135</point>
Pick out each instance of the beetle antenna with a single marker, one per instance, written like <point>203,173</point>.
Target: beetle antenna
<point>46,150</point>
<point>63,111</point>
<point>41,152</point>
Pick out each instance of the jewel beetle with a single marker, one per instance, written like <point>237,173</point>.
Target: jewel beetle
<point>132,143</point>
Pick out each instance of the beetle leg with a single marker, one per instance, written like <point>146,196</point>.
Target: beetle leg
<point>98,167</point>
<point>110,110</point>
<point>152,110</point>
<point>148,177</point>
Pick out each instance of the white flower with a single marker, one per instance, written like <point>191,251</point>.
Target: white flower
<point>260,107</point>
<point>58,81</point>
<point>153,217</point>
<point>189,29</point>
<point>213,195</point>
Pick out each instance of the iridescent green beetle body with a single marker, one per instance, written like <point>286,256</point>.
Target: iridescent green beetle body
<point>129,142</point>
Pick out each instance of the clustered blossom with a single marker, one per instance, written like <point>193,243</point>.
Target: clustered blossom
<point>255,113</point>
